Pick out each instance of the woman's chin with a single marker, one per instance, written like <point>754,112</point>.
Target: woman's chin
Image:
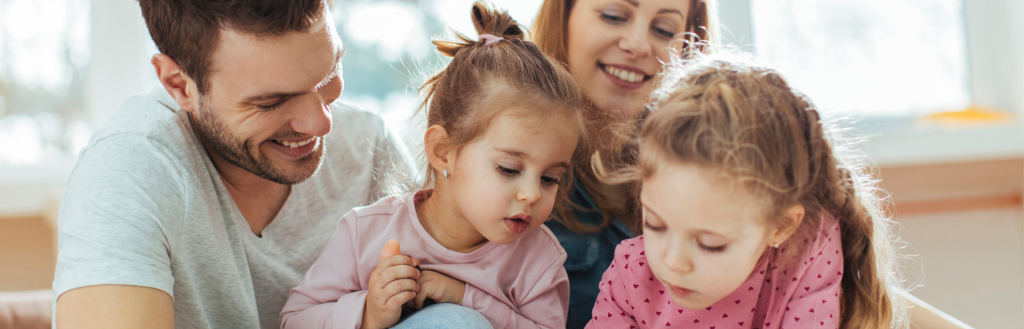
<point>618,105</point>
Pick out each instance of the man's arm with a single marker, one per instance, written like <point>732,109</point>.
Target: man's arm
<point>115,306</point>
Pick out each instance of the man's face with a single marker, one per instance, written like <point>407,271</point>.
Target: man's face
<point>267,109</point>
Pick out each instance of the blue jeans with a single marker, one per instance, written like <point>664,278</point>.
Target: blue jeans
<point>444,316</point>
<point>589,255</point>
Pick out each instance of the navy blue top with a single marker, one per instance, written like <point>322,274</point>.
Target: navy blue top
<point>589,255</point>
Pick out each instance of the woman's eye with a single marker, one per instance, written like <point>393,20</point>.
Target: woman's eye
<point>711,249</point>
<point>613,17</point>
<point>664,33</point>
<point>507,171</point>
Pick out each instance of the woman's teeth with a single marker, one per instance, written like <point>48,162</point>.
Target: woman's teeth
<point>296,144</point>
<point>624,75</point>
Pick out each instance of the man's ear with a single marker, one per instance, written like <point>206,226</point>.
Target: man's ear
<point>435,143</point>
<point>789,223</point>
<point>181,87</point>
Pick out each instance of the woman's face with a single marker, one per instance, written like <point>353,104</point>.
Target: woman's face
<point>614,48</point>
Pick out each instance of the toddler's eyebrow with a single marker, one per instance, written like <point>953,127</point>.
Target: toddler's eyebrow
<point>524,156</point>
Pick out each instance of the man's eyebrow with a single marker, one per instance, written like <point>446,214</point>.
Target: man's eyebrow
<point>278,95</point>
<point>334,69</point>
<point>269,96</point>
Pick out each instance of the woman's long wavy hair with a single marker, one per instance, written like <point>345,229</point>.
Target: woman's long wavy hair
<point>550,33</point>
<point>747,123</point>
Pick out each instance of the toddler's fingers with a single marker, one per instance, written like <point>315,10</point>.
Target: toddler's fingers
<point>398,286</point>
<point>398,260</point>
<point>422,296</point>
<point>398,299</point>
<point>399,272</point>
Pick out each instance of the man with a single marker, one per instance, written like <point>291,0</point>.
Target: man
<point>201,204</point>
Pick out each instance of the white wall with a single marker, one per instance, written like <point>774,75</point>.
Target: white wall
<point>120,61</point>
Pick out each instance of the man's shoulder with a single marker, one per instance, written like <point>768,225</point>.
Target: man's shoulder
<point>154,115</point>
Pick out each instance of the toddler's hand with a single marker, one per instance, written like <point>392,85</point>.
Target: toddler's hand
<point>440,288</point>
<point>392,284</point>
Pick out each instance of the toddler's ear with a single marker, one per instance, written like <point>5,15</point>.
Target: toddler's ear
<point>435,143</point>
<point>789,223</point>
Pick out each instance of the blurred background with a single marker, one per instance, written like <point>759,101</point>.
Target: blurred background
<point>935,87</point>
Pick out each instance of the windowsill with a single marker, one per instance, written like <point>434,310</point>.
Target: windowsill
<point>901,141</point>
<point>32,189</point>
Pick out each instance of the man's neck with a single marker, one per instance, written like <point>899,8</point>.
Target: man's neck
<point>258,199</point>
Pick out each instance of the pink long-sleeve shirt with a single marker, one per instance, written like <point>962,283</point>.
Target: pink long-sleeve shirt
<point>801,294</point>
<point>517,285</point>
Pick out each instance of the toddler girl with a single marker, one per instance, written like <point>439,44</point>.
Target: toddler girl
<point>752,218</point>
<point>504,130</point>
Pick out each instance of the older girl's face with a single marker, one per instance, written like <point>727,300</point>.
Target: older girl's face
<point>614,48</point>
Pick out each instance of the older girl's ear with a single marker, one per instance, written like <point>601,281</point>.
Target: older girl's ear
<point>788,224</point>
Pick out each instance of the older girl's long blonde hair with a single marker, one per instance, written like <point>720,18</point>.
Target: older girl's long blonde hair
<point>746,122</point>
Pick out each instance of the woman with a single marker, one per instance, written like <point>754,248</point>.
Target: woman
<point>613,48</point>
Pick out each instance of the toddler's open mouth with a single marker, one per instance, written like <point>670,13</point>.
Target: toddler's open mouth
<point>517,224</point>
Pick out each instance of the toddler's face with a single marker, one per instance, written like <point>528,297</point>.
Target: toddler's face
<point>506,181</point>
<point>701,239</point>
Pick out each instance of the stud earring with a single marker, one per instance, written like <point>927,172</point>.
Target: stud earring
<point>776,246</point>
<point>445,171</point>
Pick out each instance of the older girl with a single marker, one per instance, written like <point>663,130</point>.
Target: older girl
<point>753,216</point>
<point>505,125</point>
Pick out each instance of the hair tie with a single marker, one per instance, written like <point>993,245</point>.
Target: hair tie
<point>490,39</point>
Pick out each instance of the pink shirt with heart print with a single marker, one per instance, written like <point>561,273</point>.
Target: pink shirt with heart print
<point>801,294</point>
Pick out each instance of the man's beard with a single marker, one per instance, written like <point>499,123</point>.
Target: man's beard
<point>249,157</point>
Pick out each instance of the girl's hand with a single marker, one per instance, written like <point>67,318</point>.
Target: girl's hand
<point>440,288</point>
<point>392,284</point>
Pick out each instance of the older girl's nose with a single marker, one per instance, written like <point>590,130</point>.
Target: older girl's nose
<point>678,259</point>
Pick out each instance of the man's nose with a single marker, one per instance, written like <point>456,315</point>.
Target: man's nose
<point>313,117</point>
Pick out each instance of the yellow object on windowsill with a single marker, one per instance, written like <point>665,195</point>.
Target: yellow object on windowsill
<point>973,115</point>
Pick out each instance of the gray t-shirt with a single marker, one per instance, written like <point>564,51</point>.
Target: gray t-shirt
<point>145,207</point>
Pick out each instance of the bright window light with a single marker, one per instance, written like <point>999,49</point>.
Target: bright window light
<point>897,57</point>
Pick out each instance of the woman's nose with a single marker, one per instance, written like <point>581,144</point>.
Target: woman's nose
<point>635,42</point>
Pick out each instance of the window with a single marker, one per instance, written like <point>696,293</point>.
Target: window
<point>43,53</point>
<point>386,60</point>
<point>895,57</point>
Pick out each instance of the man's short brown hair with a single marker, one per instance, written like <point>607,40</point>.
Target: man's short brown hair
<point>188,30</point>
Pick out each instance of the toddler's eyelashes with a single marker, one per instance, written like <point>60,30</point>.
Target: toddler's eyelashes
<point>507,171</point>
